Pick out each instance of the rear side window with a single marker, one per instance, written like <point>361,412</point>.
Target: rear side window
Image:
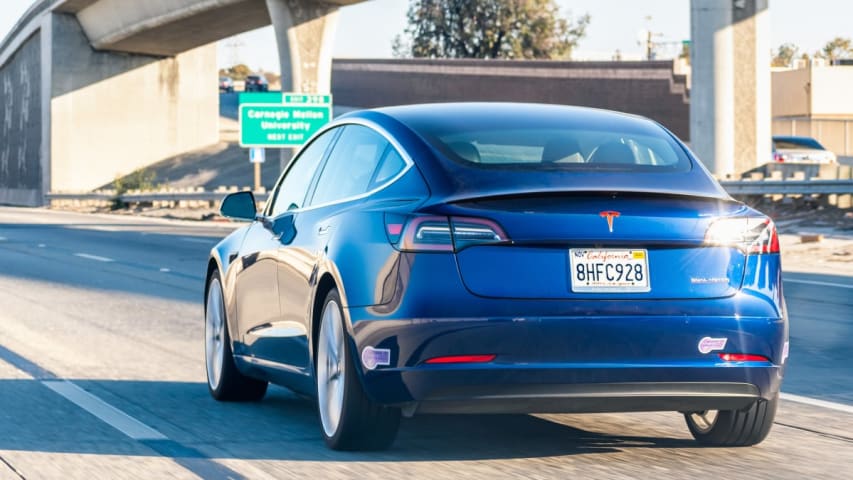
<point>562,149</point>
<point>351,166</point>
<point>796,143</point>
<point>392,164</point>
<point>293,188</point>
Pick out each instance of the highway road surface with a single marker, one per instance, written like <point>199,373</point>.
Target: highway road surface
<point>102,376</point>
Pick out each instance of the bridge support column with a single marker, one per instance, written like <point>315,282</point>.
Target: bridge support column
<point>304,30</point>
<point>730,96</point>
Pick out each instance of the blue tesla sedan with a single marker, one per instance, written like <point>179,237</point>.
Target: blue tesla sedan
<point>499,258</point>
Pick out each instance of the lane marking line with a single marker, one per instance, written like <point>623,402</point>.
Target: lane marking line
<point>107,413</point>
<point>93,257</point>
<point>12,468</point>
<point>165,270</point>
<point>816,402</point>
<point>197,240</point>
<point>2,239</point>
<point>187,457</point>
<point>816,282</point>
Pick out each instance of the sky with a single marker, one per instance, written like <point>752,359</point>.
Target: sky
<point>615,24</point>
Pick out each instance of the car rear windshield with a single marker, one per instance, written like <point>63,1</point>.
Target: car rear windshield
<point>497,146</point>
<point>796,144</point>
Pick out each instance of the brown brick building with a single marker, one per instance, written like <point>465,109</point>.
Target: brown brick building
<point>651,89</point>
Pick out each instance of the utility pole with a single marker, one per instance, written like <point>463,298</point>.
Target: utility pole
<point>648,39</point>
<point>234,45</point>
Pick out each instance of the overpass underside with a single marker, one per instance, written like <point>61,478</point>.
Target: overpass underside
<point>91,90</point>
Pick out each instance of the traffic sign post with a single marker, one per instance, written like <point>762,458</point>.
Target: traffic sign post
<point>257,156</point>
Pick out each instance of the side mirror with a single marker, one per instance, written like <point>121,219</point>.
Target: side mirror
<point>240,205</point>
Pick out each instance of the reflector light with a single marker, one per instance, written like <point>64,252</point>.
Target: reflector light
<point>749,234</point>
<point>743,357</point>
<point>462,359</point>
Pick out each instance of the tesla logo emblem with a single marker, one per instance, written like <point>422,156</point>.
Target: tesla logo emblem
<point>609,215</point>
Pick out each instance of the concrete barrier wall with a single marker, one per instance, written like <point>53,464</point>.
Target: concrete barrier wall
<point>113,113</point>
<point>21,125</point>
<point>645,88</point>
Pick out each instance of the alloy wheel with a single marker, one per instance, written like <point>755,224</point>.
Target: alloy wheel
<point>331,368</point>
<point>704,421</point>
<point>214,329</point>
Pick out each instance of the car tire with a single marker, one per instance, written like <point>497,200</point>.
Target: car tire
<point>224,380</point>
<point>734,428</point>
<point>349,420</point>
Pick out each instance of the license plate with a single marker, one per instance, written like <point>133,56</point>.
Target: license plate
<point>609,270</point>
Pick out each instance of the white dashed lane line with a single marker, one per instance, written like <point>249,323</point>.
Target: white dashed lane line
<point>93,257</point>
<point>207,241</point>
<point>185,456</point>
<point>108,414</point>
<point>815,282</point>
<point>816,402</point>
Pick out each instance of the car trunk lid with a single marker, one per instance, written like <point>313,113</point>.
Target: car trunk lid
<point>664,233</point>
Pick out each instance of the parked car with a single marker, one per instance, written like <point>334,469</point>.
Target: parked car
<point>792,149</point>
<point>226,85</point>
<point>499,258</point>
<point>256,83</point>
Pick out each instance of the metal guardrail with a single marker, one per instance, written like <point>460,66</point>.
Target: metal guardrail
<point>788,187</point>
<point>733,187</point>
<point>182,196</point>
<point>134,197</point>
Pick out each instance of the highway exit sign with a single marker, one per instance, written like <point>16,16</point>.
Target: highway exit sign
<point>281,120</point>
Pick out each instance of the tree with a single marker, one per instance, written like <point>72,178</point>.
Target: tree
<point>784,55</point>
<point>512,29</point>
<point>838,47</point>
<point>272,77</point>
<point>236,72</point>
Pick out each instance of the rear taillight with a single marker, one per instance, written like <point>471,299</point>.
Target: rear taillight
<point>751,235</point>
<point>447,234</point>
<point>778,157</point>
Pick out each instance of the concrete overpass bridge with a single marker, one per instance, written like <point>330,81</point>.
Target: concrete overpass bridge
<point>94,89</point>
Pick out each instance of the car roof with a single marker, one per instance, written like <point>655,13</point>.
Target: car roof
<point>484,110</point>
<point>792,137</point>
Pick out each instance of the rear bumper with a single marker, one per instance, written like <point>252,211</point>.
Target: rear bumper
<point>571,364</point>
<point>590,398</point>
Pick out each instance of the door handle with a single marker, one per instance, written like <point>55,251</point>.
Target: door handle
<point>323,230</point>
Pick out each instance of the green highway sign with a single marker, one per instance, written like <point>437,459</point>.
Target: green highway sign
<point>280,97</point>
<point>306,98</point>
<point>281,120</point>
<point>261,97</point>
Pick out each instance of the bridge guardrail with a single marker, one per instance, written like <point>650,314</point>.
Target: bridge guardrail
<point>788,187</point>
<point>210,198</point>
<point>190,197</point>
